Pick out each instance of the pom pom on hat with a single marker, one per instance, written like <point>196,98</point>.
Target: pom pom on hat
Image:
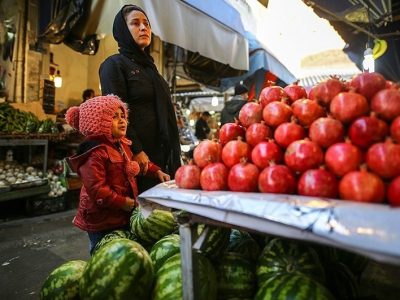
<point>72,117</point>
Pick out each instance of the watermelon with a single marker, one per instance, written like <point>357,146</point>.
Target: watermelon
<point>283,256</point>
<point>236,277</point>
<point>164,249</point>
<point>116,234</point>
<point>121,269</point>
<point>168,283</point>
<point>63,282</point>
<point>241,242</point>
<point>157,225</point>
<point>216,241</point>
<point>292,286</point>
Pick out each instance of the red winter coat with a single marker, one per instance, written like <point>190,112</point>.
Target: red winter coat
<point>105,185</point>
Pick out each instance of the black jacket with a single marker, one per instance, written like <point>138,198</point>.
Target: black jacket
<point>231,109</point>
<point>202,129</point>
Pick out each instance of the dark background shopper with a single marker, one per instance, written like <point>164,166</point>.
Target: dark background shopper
<point>202,129</point>
<point>231,109</point>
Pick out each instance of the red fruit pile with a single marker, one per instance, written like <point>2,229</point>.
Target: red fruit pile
<point>342,140</point>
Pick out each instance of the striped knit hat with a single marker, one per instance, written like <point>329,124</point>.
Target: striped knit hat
<point>94,116</point>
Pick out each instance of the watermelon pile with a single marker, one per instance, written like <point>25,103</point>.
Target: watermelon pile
<point>229,264</point>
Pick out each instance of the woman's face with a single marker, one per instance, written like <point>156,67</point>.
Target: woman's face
<point>139,28</point>
<point>119,124</point>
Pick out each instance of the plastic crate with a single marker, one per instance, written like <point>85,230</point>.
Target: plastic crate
<point>42,205</point>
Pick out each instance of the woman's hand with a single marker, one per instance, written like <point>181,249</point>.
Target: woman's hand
<point>143,160</point>
<point>163,176</point>
<point>129,204</point>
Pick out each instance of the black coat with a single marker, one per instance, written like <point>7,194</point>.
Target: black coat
<point>231,110</point>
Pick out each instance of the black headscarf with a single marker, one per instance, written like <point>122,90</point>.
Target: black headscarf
<point>165,112</point>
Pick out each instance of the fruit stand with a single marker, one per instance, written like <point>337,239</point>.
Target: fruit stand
<point>368,229</point>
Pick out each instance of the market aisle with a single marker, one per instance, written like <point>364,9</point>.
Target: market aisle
<point>31,248</point>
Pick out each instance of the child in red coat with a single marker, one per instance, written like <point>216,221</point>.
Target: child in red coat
<point>104,163</point>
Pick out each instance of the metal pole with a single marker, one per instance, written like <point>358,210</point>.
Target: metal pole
<point>185,233</point>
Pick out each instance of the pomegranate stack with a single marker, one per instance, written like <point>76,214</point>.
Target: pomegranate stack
<point>342,140</point>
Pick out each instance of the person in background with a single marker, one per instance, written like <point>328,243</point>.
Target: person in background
<point>202,129</point>
<point>132,75</point>
<point>106,166</point>
<point>231,110</point>
<point>87,94</point>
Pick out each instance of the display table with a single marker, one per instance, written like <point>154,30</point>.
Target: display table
<point>372,230</point>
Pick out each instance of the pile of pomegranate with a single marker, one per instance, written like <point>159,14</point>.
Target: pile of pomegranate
<point>342,140</point>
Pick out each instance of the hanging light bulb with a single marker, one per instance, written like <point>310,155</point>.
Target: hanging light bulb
<point>369,61</point>
<point>58,80</point>
<point>214,101</point>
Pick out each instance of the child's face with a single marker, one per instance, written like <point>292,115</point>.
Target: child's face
<point>119,124</point>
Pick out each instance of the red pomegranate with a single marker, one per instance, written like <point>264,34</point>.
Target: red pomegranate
<point>234,151</point>
<point>278,179</point>
<point>384,159</point>
<point>318,183</point>
<point>303,155</point>
<point>276,113</point>
<point>287,133</point>
<point>230,131</point>
<point>326,132</point>
<point>368,84</point>
<point>307,111</point>
<point>243,177</point>
<point>265,152</point>
<point>348,106</point>
<point>395,130</point>
<point>214,177</point>
<point>257,133</point>
<point>392,85</point>
<point>324,92</point>
<point>386,104</point>
<point>367,130</point>
<point>393,192</point>
<point>250,113</point>
<point>295,91</point>
<point>362,186</point>
<point>207,152</point>
<point>188,176</point>
<point>270,94</point>
<point>342,158</point>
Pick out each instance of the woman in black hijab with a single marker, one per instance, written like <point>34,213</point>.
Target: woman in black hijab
<point>133,77</point>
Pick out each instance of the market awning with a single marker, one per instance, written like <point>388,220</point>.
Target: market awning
<point>184,25</point>
<point>359,22</point>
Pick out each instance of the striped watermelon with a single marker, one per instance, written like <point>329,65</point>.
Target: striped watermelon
<point>216,242</point>
<point>63,282</point>
<point>157,225</point>
<point>241,242</point>
<point>164,249</point>
<point>116,234</point>
<point>292,286</point>
<point>168,283</point>
<point>236,277</point>
<point>283,256</point>
<point>121,269</point>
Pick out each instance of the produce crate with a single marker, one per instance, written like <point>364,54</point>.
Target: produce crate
<point>43,204</point>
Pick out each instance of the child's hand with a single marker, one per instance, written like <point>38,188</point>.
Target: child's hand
<point>163,176</point>
<point>129,204</point>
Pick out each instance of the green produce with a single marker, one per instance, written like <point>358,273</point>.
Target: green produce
<point>63,282</point>
<point>164,249</point>
<point>168,284</point>
<point>283,256</point>
<point>116,234</point>
<point>242,242</point>
<point>236,277</point>
<point>121,269</point>
<point>216,242</point>
<point>157,225</point>
<point>292,286</point>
